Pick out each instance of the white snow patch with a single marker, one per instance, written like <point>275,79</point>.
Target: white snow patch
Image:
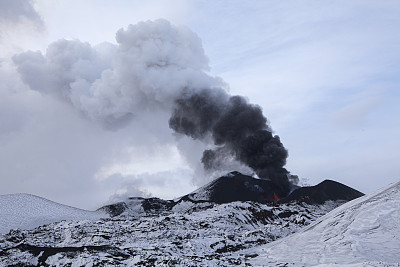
<point>363,232</point>
<point>25,211</point>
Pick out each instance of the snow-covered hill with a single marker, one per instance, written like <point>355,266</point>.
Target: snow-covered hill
<point>363,232</point>
<point>190,234</point>
<point>311,227</point>
<point>26,211</point>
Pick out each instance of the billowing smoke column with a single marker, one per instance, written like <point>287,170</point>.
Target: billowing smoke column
<point>158,67</point>
<point>237,128</point>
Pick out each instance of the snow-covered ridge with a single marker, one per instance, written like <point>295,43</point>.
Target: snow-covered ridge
<point>365,231</point>
<point>190,234</point>
<point>27,211</point>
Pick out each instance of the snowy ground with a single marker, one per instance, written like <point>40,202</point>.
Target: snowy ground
<point>191,234</point>
<point>26,211</point>
<point>363,232</point>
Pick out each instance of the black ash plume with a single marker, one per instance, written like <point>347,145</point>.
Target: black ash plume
<point>236,127</point>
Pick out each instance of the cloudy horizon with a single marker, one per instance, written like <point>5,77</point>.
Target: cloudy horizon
<point>324,74</point>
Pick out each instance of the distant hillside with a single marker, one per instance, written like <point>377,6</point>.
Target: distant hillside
<point>26,211</point>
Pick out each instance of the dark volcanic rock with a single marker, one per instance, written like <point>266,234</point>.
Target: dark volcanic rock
<point>155,204</point>
<point>236,187</point>
<point>324,191</point>
<point>151,205</point>
<point>114,209</point>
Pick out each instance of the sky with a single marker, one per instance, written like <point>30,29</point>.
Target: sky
<point>325,73</point>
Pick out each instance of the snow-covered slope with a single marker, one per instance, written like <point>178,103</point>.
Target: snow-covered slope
<point>190,234</point>
<point>26,211</point>
<point>363,232</point>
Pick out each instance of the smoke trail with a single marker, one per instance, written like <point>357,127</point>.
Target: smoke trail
<point>158,67</point>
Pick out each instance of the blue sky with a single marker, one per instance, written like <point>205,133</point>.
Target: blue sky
<point>326,74</point>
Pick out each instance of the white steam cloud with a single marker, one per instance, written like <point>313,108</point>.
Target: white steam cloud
<point>152,64</point>
<point>138,79</point>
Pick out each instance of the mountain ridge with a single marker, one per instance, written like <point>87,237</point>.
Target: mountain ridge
<point>236,186</point>
<point>193,233</point>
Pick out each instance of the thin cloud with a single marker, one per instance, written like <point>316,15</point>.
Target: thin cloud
<point>16,10</point>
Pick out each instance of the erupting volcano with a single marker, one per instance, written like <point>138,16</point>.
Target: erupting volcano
<point>237,128</point>
<point>182,169</point>
<point>158,69</point>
